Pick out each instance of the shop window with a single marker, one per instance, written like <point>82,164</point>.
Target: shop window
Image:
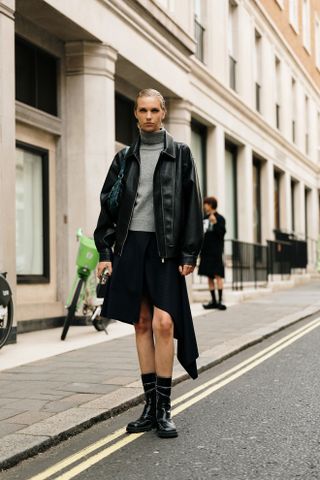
<point>256,172</point>
<point>32,214</point>
<point>198,148</point>
<point>231,210</point>
<point>126,124</point>
<point>36,77</point>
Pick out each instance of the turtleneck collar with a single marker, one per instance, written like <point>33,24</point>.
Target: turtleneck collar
<point>152,138</point>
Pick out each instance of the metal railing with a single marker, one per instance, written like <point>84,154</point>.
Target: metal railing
<point>199,37</point>
<point>248,262</point>
<point>284,256</point>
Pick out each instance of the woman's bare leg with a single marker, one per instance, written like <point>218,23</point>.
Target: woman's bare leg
<point>164,347</point>
<point>144,339</point>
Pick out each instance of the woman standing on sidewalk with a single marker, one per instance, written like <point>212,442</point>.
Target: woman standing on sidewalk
<point>156,236</point>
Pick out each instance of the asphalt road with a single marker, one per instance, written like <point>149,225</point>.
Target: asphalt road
<point>255,416</point>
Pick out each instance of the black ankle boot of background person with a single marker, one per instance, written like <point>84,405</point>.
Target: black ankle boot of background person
<point>220,305</point>
<point>213,303</point>
<point>147,420</point>
<point>165,425</point>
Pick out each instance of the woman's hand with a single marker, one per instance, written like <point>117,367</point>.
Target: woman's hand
<point>102,266</point>
<point>186,269</point>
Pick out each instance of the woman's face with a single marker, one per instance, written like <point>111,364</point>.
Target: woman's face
<point>149,114</point>
<point>207,208</point>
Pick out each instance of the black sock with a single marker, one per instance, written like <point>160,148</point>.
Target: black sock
<point>148,381</point>
<point>213,295</point>
<point>164,388</point>
<point>220,295</point>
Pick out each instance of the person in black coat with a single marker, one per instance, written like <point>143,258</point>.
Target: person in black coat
<point>211,262</point>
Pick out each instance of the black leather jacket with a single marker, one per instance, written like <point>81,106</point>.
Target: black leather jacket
<point>177,204</point>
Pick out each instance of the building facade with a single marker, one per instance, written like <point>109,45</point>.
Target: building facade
<point>242,84</point>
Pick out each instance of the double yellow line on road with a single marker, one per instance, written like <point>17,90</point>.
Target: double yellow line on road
<point>180,404</point>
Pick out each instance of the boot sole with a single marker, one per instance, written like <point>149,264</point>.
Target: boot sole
<point>140,430</point>
<point>167,434</point>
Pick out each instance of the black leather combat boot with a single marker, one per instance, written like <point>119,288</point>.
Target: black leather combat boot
<point>147,420</point>
<point>165,425</point>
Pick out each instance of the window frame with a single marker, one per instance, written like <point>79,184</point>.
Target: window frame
<point>45,277</point>
<point>201,130</point>
<point>37,52</point>
<point>306,25</point>
<point>233,150</point>
<point>293,15</point>
<point>317,41</point>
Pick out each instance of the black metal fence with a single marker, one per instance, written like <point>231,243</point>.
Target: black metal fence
<point>284,256</point>
<point>252,263</point>
<point>248,262</point>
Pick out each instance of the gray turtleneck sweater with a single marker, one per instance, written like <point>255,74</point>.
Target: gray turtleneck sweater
<point>150,148</point>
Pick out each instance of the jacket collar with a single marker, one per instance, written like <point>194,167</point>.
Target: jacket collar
<point>169,147</point>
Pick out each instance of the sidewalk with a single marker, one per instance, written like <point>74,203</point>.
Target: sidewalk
<point>47,400</point>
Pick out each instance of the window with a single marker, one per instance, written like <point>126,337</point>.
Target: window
<point>198,148</point>
<point>231,212</point>
<point>278,91</point>
<point>318,137</point>
<point>306,23</point>
<point>294,108</point>
<point>306,111</point>
<point>256,178</point>
<point>317,42</point>
<point>293,13</point>
<point>32,214</point>
<point>36,77</point>
<point>199,29</point>
<point>277,200</point>
<point>257,70</point>
<point>293,205</point>
<point>307,195</point>
<point>167,4</point>
<point>126,124</point>
<point>232,43</point>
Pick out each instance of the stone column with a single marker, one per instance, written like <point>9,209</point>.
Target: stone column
<point>216,165</point>
<point>299,199</point>
<point>267,201</point>
<point>245,189</point>
<point>245,43</point>
<point>7,146</point>
<point>268,81</point>
<point>313,228</point>
<point>285,202</point>
<point>178,124</point>
<point>178,120</point>
<point>90,132</point>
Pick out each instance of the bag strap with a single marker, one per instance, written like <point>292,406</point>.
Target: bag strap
<point>123,163</point>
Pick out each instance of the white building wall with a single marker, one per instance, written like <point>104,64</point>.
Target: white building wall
<point>91,72</point>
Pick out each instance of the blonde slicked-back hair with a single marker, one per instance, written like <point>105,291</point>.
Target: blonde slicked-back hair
<point>151,92</point>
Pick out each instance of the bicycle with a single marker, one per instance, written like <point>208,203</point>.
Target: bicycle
<point>6,309</point>
<point>83,290</point>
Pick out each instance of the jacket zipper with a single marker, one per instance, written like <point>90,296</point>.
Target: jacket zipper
<point>130,216</point>
<point>164,237</point>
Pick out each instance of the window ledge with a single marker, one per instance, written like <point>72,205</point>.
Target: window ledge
<point>160,19</point>
<point>36,118</point>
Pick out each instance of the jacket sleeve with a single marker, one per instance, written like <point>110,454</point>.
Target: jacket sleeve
<point>192,236</point>
<point>104,234</point>
<point>220,227</point>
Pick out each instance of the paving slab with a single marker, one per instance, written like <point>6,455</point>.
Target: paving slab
<point>59,396</point>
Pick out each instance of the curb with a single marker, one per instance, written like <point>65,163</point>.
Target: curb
<point>37,438</point>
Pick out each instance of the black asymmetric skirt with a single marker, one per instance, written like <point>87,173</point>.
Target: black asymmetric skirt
<point>139,272</point>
